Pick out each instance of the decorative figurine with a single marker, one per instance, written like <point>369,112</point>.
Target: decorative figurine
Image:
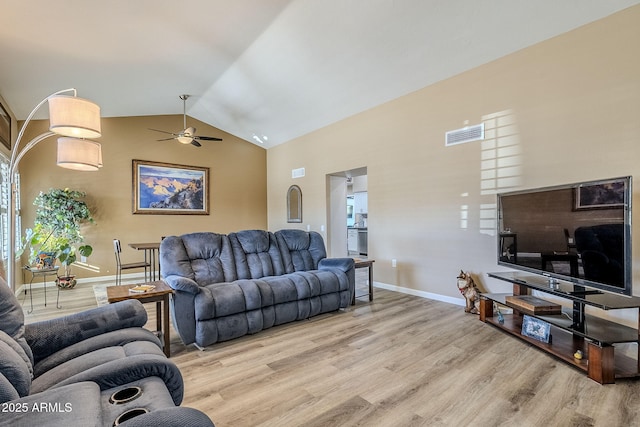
<point>500,316</point>
<point>469,291</point>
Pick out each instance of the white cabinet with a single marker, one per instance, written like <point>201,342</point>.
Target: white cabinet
<point>360,202</point>
<point>352,240</point>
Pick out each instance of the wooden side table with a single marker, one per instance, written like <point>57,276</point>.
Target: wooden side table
<point>160,295</point>
<point>365,263</point>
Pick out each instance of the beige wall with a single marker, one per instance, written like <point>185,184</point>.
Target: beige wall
<point>237,185</point>
<point>566,110</point>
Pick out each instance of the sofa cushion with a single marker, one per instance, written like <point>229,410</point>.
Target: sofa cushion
<point>204,257</point>
<point>256,254</point>
<point>223,299</point>
<point>110,339</point>
<point>50,336</point>
<point>301,250</point>
<point>12,319</point>
<point>87,361</point>
<point>13,365</point>
<point>7,390</point>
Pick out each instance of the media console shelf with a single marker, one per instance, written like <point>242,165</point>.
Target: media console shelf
<point>573,329</point>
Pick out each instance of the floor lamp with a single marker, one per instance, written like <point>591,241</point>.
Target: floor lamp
<point>73,119</point>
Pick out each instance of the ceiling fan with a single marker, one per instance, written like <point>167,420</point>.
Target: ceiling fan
<point>188,135</point>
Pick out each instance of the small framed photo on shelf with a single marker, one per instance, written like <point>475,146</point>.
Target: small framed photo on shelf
<point>536,329</point>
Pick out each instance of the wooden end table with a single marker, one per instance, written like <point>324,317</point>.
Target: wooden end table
<point>364,263</point>
<point>160,295</point>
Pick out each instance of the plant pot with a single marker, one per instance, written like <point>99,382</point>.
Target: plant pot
<point>45,259</point>
<point>66,282</point>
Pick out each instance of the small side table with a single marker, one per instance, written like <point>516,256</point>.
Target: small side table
<point>366,263</point>
<point>160,295</point>
<point>43,272</point>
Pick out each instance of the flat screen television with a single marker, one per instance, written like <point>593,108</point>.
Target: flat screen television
<point>580,233</point>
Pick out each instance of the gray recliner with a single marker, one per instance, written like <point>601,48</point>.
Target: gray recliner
<point>65,371</point>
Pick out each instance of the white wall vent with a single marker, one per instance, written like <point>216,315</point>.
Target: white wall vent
<point>466,134</point>
<point>297,173</point>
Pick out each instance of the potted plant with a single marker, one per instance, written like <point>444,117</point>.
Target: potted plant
<point>56,231</point>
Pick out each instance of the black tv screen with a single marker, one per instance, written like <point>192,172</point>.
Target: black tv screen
<point>579,233</point>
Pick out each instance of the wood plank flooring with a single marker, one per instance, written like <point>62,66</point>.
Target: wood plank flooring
<point>397,361</point>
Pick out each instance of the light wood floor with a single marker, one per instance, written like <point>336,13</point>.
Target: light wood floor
<point>398,361</point>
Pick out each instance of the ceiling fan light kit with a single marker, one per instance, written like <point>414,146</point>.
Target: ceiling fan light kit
<point>188,135</point>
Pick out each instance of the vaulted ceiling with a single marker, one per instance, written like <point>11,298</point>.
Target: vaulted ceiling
<point>267,69</point>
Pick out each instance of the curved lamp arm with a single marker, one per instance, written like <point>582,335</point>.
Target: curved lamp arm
<point>15,155</point>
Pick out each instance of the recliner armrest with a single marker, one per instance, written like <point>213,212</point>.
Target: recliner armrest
<point>178,416</point>
<point>181,283</point>
<point>344,264</point>
<point>131,368</point>
<point>49,336</point>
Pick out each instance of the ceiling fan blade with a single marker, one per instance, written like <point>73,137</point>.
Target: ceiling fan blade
<point>163,131</point>
<point>196,143</point>
<point>165,139</point>
<point>208,138</point>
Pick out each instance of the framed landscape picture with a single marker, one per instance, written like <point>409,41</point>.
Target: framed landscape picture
<point>170,189</point>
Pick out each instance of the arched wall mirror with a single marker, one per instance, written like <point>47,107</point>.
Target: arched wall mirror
<point>294,204</point>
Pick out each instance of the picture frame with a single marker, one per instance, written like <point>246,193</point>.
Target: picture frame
<point>169,189</point>
<point>5,127</point>
<point>535,328</point>
<point>603,195</point>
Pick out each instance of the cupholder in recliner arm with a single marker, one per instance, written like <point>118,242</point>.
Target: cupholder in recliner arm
<point>125,395</point>
<point>131,413</point>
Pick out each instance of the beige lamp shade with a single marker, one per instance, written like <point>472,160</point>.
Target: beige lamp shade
<point>79,154</point>
<point>74,117</point>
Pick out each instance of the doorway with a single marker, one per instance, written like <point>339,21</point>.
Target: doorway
<point>348,213</point>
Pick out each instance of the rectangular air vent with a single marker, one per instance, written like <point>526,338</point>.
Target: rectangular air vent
<point>297,173</point>
<point>466,134</point>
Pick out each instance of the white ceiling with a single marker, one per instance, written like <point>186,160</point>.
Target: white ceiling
<point>280,68</point>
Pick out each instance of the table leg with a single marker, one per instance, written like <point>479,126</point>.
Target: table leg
<point>44,285</point>
<point>159,316</point>
<point>159,272</point>
<point>165,315</point>
<point>31,294</point>
<point>153,264</point>
<point>371,282</point>
<point>146,261</point>
<point>58,298</point>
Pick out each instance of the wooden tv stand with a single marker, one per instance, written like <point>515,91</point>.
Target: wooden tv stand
<point>572,330</point>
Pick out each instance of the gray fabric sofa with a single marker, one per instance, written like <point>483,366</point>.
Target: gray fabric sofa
<point>227,286</point>
<point>63,372</point>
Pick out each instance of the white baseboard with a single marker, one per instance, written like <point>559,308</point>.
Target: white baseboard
<point>421,294</point>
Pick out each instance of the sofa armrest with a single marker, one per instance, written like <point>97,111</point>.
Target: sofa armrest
<point>181,283</point>
<point>180,416</point>
<point>129,369</point>
<point>50,336</point>
<point>344,264</point>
